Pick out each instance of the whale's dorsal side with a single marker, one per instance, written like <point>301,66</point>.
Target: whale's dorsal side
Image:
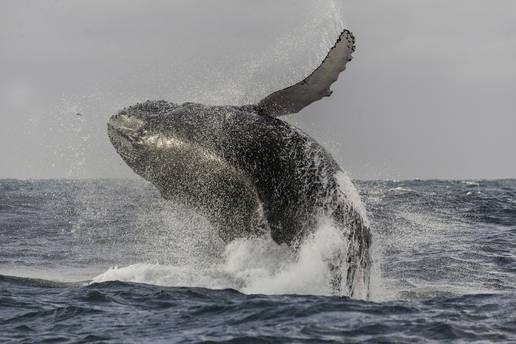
<point>314,87</point>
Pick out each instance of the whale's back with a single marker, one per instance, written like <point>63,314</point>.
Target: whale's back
<point>292,173</point>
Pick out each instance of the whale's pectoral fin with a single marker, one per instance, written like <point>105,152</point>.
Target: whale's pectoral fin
<point>316,86</point>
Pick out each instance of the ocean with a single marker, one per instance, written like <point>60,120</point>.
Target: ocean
<point>109,261</point>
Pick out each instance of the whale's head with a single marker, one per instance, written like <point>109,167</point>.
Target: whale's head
<point>161,140</point>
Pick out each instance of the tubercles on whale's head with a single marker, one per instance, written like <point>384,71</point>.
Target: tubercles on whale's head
<point>126,126</point>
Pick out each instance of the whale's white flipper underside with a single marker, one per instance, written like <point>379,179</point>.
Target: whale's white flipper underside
<point>316,86</point>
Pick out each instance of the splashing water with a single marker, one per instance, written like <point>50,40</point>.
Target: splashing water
<point>252,266</point>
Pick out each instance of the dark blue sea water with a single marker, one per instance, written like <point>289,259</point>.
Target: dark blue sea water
<point>108,261</point>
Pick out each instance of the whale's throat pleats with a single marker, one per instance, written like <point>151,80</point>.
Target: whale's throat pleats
<point>201,179</point>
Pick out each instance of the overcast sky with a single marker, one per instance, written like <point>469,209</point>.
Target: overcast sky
<point>431,92</point>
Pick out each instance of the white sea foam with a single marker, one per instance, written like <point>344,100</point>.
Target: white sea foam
<point>252,266</point>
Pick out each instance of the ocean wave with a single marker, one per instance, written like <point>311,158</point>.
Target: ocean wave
<point>116,312</point>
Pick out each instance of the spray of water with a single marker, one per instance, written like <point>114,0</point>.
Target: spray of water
<point>293,56</point>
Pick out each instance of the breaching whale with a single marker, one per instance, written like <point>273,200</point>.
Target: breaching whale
<point>250,173</point>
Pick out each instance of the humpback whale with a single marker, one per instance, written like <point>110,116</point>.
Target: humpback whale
<point>250,173</point>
